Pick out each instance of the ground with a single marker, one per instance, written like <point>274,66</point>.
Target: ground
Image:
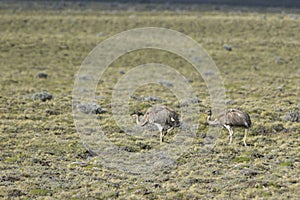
<point>43,157</point>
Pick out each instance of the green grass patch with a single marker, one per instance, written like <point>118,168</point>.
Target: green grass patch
<point>287,164</point>
<point>241,159</point>
<point>39,192</point>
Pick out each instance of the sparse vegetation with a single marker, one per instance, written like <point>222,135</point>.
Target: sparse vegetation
<point>42,156</point>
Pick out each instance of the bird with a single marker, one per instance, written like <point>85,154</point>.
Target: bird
<point>229,119</point>
<point>164,117</point>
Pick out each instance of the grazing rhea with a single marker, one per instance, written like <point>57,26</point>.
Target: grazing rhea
<point>164,117</point>
<point>231,118</point>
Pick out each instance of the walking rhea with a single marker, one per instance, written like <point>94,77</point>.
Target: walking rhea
<point>229,119</point>
<point>164,117</point>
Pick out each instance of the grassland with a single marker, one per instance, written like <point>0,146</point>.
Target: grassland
<point>42,156</point>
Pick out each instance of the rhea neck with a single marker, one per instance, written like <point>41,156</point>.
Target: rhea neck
<point>140,122</point>
<point>209,116</point>
<point>137,119</point>
<point>209,121</point>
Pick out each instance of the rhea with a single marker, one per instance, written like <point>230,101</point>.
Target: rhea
<point>164,117</point>
<point>229,119</point>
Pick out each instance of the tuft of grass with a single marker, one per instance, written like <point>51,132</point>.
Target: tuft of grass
<point>39,192</point>
<point>286,164</point>
<point>241,159</point>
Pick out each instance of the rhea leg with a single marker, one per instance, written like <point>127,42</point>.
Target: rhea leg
<point>170,129</point>
<point>245,137</point>
<point>161,136</point>
<point>167,132</point>
<point>230,132</point>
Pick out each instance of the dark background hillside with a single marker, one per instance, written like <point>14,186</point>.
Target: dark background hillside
<point>230,3</point>
<point>252,3</point>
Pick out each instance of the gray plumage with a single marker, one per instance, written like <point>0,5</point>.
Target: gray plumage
<point>164,117</point>
<point>232,118</point>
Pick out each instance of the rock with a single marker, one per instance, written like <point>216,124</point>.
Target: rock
<point>256,154</point>
<point>81,164</point>
<point>166,83</point>
<point>9,178</point>
<point>230,102</point>
<point>278,128</point>
<point>190,80</point>
<point>189,101</point>
<point>195,100</point>
<point>250,172</point>
<point>144,146</point>
<point>281,88</point>
<point>197,59</point>
<point>128,149</point>
<point>264,17</point>
<point>135,98</point>
<point>153,98</point>
<point>122,71</point>
<point>209,73</point>
<point>293,16</point>
<point>43,96</point>
<point>42,75</point>
<point>100,34</point>
<point>255,67</point>
<point>227,47</point>
<point>15,193</point>
<point>132,16</point>
<point>142,191</point>
<point>86,77</point>
<point>278,60</point>
<point>51,112</point>
<point>260,129</point>
<point>90,108</point>
<point>292,116</point>
<point>149,98</point>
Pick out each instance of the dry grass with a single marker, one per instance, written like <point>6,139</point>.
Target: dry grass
<point>42,156</point>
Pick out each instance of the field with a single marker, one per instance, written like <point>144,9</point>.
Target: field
<point>42,155</point>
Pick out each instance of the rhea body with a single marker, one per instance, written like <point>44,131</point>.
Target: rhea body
<point>164,117</point>
<point>231,118</point>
